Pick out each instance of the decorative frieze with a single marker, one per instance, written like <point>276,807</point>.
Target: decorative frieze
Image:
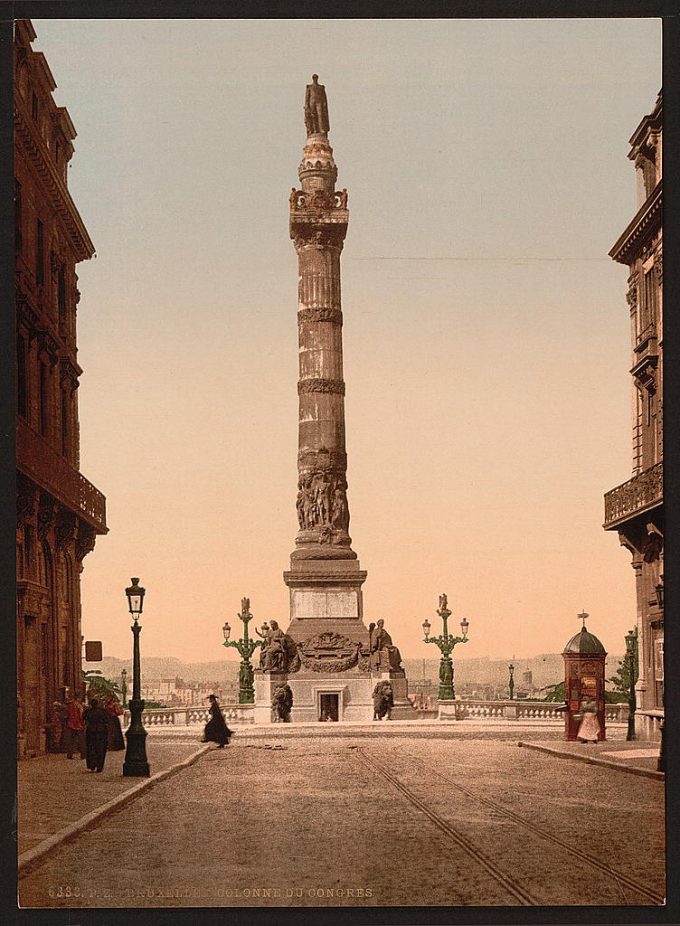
<point>27,500</point>
<point>65,529</point>
<point>320,315</point>
<point>327,386</point>
<point>46,515</point>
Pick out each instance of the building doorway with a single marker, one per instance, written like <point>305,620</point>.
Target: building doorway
<point>328,707</point>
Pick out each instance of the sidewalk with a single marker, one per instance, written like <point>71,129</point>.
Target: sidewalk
<point>54,792</point>
<point>638,757</point>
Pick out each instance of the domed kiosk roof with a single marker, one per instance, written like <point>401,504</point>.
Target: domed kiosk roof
<point>584,644</point>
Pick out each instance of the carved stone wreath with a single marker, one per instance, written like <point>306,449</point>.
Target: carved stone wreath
<point>329,652</point>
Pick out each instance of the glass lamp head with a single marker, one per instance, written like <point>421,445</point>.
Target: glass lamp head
<point>464,624</point>
<point>426,628</point>
<point>226,630</point>
<point>135,596</point>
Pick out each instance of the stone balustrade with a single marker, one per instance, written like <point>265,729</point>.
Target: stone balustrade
<point>185,716</point>
<point>525,710</point>
<point>459,710</point>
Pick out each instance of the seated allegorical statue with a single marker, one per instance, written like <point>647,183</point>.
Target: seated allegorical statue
<point>384,655</point>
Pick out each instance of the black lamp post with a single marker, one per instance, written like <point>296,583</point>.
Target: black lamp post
<point>123,686</point>
<point>511,683</point>
<point>632,664</point>
<point>136,763</point>
<point>445,643</point>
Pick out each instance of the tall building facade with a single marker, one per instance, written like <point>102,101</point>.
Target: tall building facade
<point>59,513</point>
<point>635,509</point>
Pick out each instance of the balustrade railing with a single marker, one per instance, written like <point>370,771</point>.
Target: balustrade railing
<point>473,710</point>
<point>639,493</point>
<point>41,462</point>
<point>186,716</point>
<point>527,710</point>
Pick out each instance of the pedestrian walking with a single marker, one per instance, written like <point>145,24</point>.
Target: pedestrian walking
<point>589,728</point>
<point>216,730</point>
<point>74,727</point>
<point>96,734</point>
<point>114,711</point>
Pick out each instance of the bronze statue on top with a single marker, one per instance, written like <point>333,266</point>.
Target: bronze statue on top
<point>316,108</point>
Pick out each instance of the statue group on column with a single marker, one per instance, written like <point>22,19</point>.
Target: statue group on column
<point>322,502</point>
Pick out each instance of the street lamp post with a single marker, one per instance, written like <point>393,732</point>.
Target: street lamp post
<point>123,686</point>
<point>511,682</point>
<point>632,661</point>
<point>136,763</point>
<point>445,643</point>
<point>246,647</point>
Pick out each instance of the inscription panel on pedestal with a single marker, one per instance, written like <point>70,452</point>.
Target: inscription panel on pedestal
<point>328,604</point>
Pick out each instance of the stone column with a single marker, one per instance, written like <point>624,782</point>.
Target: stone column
<point>325,577</point>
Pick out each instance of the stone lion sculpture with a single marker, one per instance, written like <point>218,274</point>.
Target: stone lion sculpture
<point>282,703</point>
<point>383,701</point>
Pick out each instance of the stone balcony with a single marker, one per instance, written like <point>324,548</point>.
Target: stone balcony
<point>641,493</point>
<point>38,460</point>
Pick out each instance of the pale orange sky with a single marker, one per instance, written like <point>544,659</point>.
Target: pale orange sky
<point>486,331</point>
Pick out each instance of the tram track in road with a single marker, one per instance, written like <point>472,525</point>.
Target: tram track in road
<point>511,885</point>
<point>621,879</point>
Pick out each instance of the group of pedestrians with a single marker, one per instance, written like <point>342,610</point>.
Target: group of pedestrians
<point>90,731</point>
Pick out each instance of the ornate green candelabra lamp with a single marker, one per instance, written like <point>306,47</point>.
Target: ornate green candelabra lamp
<point>246,647</point>
<point>445,644</point>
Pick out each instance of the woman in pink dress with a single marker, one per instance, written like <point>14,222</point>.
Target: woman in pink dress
<point>589,728</point>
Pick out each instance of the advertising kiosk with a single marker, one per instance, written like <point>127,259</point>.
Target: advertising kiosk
<point>584,658</point>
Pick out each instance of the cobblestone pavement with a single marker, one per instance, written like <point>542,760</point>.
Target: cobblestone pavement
<point>53,791</point>
<point>349,822</point>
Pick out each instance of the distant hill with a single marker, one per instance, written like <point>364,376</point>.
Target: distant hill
<point>546,669</point>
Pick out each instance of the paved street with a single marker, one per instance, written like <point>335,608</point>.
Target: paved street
<point>54,791</point>
<point>295,821</point>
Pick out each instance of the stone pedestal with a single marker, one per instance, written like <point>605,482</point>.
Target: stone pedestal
<point>447,710</point>
<point>347,694</point>
<point>325,594</point>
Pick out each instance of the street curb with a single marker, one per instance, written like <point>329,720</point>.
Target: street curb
<point>29,858</point>
<point>591,760</point>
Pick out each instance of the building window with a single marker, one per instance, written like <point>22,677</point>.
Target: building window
<point>658,659</point>
<point>40,253</point>
<point>34,106</point>
<point>65,415</point>
<point>17,216</point>
<point>44,397</point>
<point>649,306</point>
<point>22,391</point>
<point>61,293</point>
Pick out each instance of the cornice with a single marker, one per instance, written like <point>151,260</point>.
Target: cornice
<point>60,197</point>
<point>645,223</point>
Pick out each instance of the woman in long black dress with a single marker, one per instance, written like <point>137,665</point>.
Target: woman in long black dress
<point>216,730</point>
